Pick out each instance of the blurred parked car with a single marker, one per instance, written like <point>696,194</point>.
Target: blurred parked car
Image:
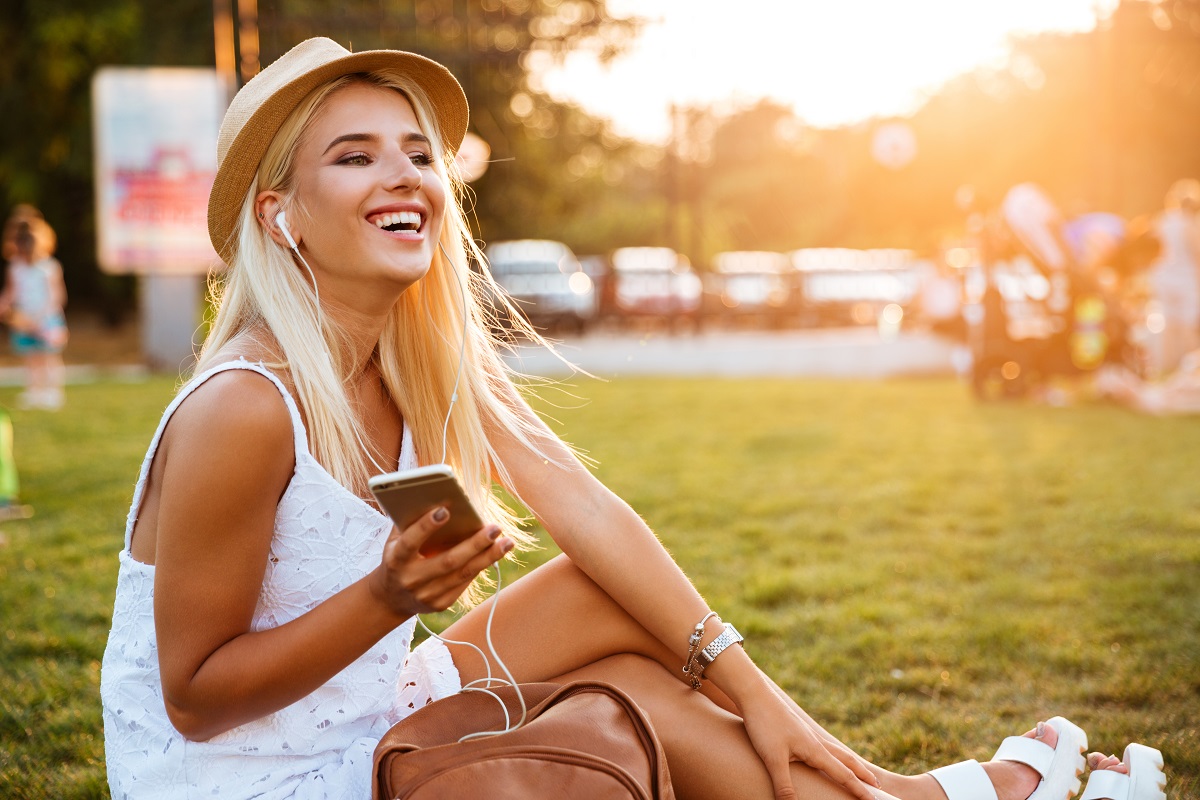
<point>545,281</point>
<point>844,286</point>
<point>752,284</point>
<point>653,282</point>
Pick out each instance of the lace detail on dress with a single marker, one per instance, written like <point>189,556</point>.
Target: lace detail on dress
<point>429,674</point>
<point>325,539</point>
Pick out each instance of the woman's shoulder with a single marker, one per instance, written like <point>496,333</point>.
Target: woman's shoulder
<point>238,406</point>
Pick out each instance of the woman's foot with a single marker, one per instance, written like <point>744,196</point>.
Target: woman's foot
<point>1137,776</point>
<point>1016,781</point>
<point>1100,761</point>
<point>1055,748</point>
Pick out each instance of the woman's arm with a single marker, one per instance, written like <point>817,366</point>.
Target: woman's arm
<point>605,539</point>
<point>225,461</point>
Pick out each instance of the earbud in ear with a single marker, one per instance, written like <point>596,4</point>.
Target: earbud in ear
<point>281,223</point>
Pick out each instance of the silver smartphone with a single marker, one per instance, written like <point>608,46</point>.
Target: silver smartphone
<point>409,494</point>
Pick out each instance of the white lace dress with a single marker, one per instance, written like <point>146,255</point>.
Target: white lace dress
<point>319,747</point>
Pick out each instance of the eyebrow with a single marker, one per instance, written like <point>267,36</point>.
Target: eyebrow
<point>419,138</point>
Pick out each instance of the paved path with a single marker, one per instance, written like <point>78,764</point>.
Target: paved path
<point>843,353</point>
<point>840,353</point>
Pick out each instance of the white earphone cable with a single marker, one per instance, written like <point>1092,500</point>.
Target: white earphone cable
<point>488,681</point>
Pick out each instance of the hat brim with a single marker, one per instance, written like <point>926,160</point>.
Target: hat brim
<point>236,170</point>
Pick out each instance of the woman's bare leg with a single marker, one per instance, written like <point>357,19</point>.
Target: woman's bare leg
<point>556,623</point>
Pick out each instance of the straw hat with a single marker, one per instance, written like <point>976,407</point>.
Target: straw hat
<point>261,106</point>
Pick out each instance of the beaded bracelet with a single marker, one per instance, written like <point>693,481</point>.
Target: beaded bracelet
<point>690,665</point>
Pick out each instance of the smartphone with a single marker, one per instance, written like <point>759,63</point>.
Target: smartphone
<point>408,495</point>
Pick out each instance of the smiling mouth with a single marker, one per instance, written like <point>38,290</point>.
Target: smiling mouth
<point>399,222</point>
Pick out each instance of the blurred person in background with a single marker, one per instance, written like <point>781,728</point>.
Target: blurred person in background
<point>1089,261</point>
<point>32,306</point>
<point>1175,280</point>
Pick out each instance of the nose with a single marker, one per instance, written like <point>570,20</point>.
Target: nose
<point>404,174</point>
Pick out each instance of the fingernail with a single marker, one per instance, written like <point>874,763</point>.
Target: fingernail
<point>441,515</point>
<point>1093,760</point>
<point>509,545</point>
<point>1041,730</point>
<point>494,534</point>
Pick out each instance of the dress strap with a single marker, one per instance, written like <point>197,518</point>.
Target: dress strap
<point>299,435</point>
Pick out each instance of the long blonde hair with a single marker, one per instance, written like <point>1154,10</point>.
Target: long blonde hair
<point>418,351</point>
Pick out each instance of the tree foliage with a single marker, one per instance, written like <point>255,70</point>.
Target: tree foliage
<point>1105,120</point>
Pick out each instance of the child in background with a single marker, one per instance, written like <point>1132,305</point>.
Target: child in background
<point>32,305</point>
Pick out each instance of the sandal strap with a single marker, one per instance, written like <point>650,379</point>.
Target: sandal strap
<point>965,780</point>
<point>1024,750</point>
<point>1105,784</point>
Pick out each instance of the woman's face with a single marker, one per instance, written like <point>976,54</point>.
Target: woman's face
<point>372,200</point>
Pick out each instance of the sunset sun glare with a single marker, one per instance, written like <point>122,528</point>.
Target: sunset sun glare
<point>832,63</point>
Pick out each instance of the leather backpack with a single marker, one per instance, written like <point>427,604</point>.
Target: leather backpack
<point>582,740</point>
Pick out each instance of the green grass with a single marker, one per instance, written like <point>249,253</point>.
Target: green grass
<point>925,574</point>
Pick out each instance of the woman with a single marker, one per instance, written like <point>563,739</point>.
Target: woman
<point>264,607</point>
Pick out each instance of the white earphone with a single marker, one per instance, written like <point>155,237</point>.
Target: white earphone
<point>281,221</point>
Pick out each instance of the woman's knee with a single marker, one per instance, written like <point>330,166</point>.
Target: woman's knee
<point>568,582</point>
<point>639,675</point>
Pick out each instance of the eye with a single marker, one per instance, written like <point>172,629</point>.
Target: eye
<point>355,159</point>
<point>421,159</point>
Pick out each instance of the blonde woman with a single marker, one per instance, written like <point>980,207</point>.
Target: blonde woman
<point>265,607</point>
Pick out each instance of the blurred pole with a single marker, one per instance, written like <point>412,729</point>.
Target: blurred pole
<point>671,179</point>
<point>170,313</point>
<point>1104,146</point>
<point>248,49</point>
<point>223,38</point>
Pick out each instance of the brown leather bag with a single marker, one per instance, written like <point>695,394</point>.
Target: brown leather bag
<point>582,740</point>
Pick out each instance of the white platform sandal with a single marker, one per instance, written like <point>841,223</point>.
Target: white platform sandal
<point>1060,766</point>
<point>1145,780</point>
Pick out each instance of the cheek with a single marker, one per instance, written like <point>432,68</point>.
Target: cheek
<point>435,192</point>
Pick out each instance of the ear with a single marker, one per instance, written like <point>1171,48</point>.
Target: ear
<point>267,205</point>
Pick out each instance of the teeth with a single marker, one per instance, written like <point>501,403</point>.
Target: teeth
<point>412,219</point>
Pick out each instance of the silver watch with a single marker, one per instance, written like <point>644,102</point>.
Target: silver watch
<point>714,648</point>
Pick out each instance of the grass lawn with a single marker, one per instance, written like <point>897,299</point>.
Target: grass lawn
<point>925,574</point>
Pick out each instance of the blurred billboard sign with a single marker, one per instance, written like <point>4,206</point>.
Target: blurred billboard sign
<point>155,134</point>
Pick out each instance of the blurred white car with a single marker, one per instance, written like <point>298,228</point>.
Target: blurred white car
<point>843,285</point>
<point>653,281</point>
<point>752,283</point>
<point>545,281</point>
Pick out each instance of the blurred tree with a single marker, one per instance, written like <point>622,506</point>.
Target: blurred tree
<point>1104,120</point>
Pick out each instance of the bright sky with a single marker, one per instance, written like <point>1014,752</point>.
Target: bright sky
<point>834,61</point>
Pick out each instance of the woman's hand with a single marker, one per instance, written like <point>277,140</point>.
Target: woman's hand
<point>780,735</point>
<point>408,583</point>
